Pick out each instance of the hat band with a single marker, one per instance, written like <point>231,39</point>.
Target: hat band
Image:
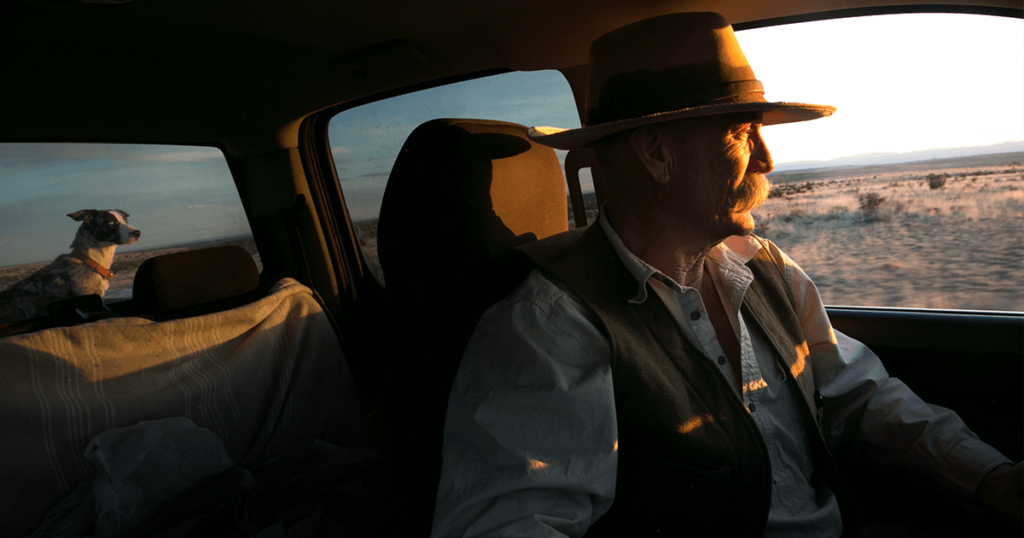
<point>639,100</point>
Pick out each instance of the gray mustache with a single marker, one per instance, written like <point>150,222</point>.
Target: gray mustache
<point>753,192</point>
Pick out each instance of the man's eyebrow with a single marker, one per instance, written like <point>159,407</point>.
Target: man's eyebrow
<point>748,117</point>
<point>742,121</point>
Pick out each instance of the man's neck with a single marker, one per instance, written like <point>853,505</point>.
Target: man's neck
<point>679,256</point>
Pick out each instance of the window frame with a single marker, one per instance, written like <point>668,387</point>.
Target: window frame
<point>333,210</point>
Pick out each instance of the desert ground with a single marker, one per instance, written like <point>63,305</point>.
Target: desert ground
<point>949,234</point>
<point>943,234</point>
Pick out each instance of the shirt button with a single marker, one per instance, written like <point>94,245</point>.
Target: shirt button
<point>752,407</point>
<point>721,360</point>
<point>695,316</point>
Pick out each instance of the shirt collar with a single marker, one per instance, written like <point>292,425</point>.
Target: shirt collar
<point>729,256</point>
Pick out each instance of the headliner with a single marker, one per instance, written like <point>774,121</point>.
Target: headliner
<point>242,75</point>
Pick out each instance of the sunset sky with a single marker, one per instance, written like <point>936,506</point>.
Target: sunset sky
<point>901,83</point>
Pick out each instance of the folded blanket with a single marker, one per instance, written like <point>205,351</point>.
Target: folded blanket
<point>268,378</point>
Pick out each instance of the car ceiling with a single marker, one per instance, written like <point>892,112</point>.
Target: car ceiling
<point>242,74</point>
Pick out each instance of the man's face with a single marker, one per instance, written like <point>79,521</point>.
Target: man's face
<point>717,172</point>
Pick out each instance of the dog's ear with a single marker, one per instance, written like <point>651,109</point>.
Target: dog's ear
<point>82,214</point>
<point>119,212</point>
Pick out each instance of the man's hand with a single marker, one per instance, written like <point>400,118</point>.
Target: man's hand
<point>1002,490</point>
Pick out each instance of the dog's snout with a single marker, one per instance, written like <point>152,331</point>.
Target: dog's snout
<point>137,233</point>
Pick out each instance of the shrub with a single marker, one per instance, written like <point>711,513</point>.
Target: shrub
<point>936,181</point>
<point>869,202</point>
<point>794,214</point>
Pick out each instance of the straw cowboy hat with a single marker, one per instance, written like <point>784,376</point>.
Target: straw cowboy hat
<point>667,68</point>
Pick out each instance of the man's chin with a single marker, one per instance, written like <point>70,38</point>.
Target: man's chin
<point>743,224</point>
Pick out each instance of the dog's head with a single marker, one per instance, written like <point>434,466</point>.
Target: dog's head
<point>107,225</point>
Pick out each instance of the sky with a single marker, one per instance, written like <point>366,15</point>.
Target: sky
<point>901,83</point>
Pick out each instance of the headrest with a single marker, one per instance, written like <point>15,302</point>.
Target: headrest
<point>195,277</point>
<point>462,193</point>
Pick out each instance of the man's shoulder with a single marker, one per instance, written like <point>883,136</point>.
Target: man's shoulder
<point>541,316</point>
<point>552,249</point>
<point>544,291</point>
<point>541,303</point>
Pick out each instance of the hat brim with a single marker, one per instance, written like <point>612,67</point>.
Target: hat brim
<point>774,114</point>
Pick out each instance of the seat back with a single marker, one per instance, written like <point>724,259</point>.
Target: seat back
<point>188,283</point>
<point>461,195</point>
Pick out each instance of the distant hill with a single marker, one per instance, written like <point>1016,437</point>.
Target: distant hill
<point>895,158</point>
<point>832,172</point>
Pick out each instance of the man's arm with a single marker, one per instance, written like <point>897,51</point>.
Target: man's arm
<point>1003,491</point>
<point>529,441</point>
<point>868,412</point>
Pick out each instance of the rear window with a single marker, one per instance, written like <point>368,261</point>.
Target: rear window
<point>179,198</point>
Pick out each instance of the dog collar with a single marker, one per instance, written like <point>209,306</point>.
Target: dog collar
<point>103,271</point>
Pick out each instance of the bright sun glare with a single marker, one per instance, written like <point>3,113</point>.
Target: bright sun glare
<point>900,83</point>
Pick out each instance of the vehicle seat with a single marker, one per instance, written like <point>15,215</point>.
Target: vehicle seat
<point>265,373</point>
<point>462,193</point>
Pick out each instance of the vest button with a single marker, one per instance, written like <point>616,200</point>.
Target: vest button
<point>721,360</point>
<point>752,407</point>
<point>695,316</point>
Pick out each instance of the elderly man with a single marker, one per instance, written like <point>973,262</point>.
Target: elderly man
<point>667,372</point>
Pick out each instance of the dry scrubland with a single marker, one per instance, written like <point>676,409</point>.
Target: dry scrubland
<point>126,263</point>
<point>936,234</point>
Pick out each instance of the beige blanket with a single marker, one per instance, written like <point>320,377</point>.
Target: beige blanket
<point>268,378</point>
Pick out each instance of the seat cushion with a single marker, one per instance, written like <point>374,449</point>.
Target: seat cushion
<point>269,378</point>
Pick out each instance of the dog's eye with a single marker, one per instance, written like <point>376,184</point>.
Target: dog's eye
<point>109,223</point>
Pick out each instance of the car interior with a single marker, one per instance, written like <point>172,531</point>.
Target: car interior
<point>336,381</point>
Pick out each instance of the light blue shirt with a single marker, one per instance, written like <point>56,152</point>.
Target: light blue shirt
<point>530,442</point>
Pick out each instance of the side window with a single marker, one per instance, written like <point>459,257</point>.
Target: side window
<point>164,199</point>
<point>366,140</point>
<point>912,194</point>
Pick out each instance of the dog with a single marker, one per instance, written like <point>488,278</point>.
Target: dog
<point>84,271</point>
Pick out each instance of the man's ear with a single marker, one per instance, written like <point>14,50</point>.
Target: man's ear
<point>647,143</point>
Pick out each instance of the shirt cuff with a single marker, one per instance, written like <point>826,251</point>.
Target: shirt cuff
<point>967,464</point>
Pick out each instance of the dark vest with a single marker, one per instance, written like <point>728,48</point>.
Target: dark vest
<point>691,458</point>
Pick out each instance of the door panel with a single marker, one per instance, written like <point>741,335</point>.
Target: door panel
<point>972,363</point>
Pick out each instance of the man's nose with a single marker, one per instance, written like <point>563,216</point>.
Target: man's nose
<point>761,157</point>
